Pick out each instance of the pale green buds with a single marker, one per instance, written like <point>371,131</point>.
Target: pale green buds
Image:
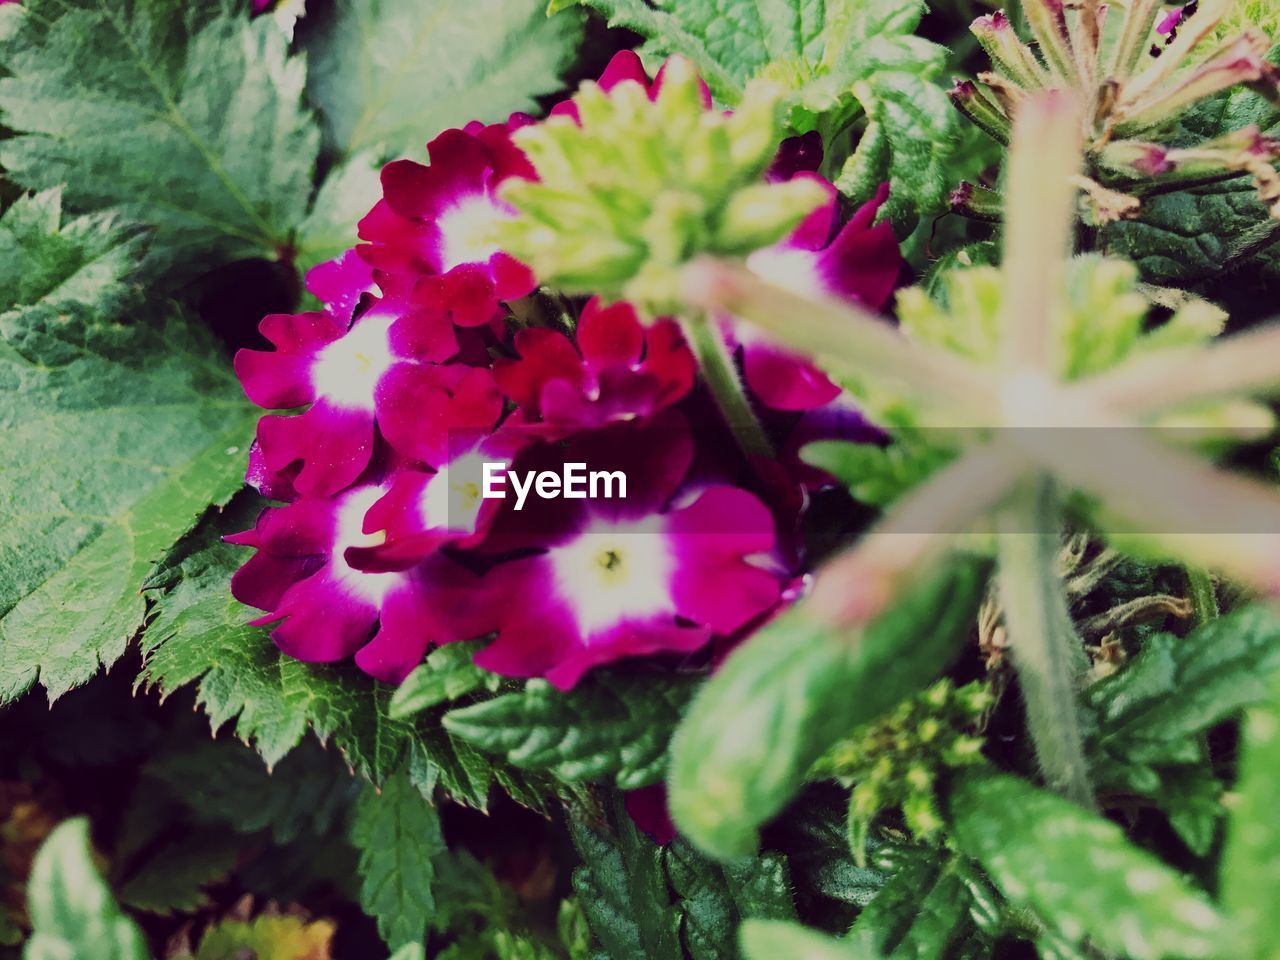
<point>638,187</point>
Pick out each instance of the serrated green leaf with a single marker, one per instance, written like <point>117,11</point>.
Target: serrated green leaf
<point>349,192</point>
<point>448,673</point>
<point>188,118</point>
<point>413,71</point>
<point>923,912</point>
<point>308,792</point>
<point>623,890</point>
<point>610,726</point>
<point>174,875</point>
<point>410,951</point>
<point>280,937</point>
<point>72,912</point>
<point>1077,871</point>
<point>771,939</point>
<point>397,832</point>
<point>715,898</point>
<point>199,635</point>
<point>118,435</point>
<point>786,695</point>
<point>1251,863</point>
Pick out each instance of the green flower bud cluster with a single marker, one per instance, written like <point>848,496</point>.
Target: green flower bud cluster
<point>896,762</point>
<point>638,187</point>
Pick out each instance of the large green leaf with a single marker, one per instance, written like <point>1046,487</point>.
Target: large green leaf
<point>793,689</point>
<point>391,74</point>
<point>184,116</point>
<point>448,673</point>
<point>1251,866</point>
<point>771,939</point>
<point>199,635</point>
<point>1078,872</point>
<point>397,832</point>
<point>117,434</point>
<point>72,912</point>
<point>609,726</point>
<point>623,890</point>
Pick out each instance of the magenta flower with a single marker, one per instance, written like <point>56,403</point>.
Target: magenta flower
<point>377,371</point>
<point>626,66</point>
<point>630,577</point>
<point>615,369</point>
<point>429,233</point>
<point>327,610</point>
<point>859,262</point>
<point>647,808</point>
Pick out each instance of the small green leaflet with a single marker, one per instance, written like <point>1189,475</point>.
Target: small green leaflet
<point>199,636</point>
<point>771,939</point>
<point>397,832</point>
<point>838,58</point>
<point>447,674</point>
<point>609,726</point>
<point>1078,872</point>
<point>118,436</point>
<point>186,117</point>
<point>390,74</point>
<point>792,690</point>
<point>1251,866</point>
<point>72,912</point>
<point>623,890</point>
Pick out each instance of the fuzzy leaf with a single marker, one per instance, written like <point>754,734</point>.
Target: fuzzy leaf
<point>609,726</point>
<point>397,832</point>
<point>175,873</point>
<point>185,117</point>
<point>793,689</point>
<point>117,434</point>
<point>390,74</point>
<point>72,912</point>
<point>623,891</point>
<point>1077,871</point>
<point>716,898</point>
<point>1251,865</point>
<point>771,939</point>
<point>199,635</point>
<point>447,674</point>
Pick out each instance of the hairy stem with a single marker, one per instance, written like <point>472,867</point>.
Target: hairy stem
<point>1203,596</point>
<point>721,375</point>
<point>1047,653</point>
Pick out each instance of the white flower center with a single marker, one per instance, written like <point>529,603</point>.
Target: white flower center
<point>347,370</point>
<point>453,497</point>
<point>466,231</point>
<point>615,572</point>
<point>371,587</point>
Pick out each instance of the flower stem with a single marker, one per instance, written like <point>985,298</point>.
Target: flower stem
<point>1204,599</point>
<point>722,379</point>
<point>1047,652</point>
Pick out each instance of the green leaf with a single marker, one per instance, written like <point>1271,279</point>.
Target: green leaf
<point>280,937</point>
<point>118,435</point>
<point>874,474</point>
<point>397,832</point>
<point>308,792</point>
<point>347,194</point>
<point>1078,872</point>
<point>175,873</point>
<point>389,75</point>
<point>923,911</point>
<point>771,939</point>
<point>72,912</point>
<point>410,951</point>
<point>715,898</point>
<point>623,890</point>
<point>794,688</point>
<point>199,635</point>
<point>611,726</point>
<point>1251,863</point>
<point>447,674</point>
<point>185,117</point>
<point>1151,712</point>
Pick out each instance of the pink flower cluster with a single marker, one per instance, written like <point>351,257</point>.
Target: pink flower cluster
<point>416,371</point>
